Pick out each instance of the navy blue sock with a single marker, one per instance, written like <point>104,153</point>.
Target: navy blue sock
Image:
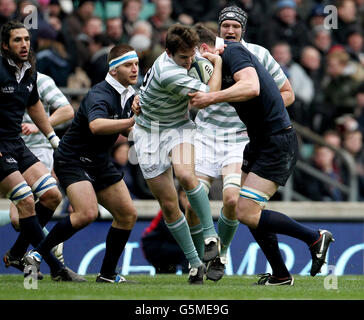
<point>115,243</point>
<point>44,214</point>
<point>61,232</point>
<point>276,222</point>
<point>21,244</point>
<point>268,242</point>
<point>33,232</point>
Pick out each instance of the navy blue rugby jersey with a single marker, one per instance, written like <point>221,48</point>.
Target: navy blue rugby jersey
<point>265,114</point>
<point>79,143</point>
<point>14,98</point>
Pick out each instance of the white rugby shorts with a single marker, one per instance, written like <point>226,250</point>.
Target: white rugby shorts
<point>212,154</point>
<point>153,147</point>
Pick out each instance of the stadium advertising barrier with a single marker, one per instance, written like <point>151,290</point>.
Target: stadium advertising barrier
<point>84,251</point>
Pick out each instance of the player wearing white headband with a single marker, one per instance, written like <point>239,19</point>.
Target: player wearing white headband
<point>84,166</point>
<point>125,58</point>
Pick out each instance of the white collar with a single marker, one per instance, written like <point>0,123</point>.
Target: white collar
<point>170,59</point>
<point>19,73</point>
<point>243,42</point>
<point>118,86</point>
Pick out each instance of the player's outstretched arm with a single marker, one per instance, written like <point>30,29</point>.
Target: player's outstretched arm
<point>110,126</point>
<point>245,88</point>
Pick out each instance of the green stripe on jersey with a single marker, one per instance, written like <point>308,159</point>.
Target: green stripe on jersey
<point>221,119</point>
<point>164,94</point>
<point>269,63</point>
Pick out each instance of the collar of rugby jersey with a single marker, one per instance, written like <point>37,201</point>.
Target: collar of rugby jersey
<point>243,43</point>
<point>125,93</point>
<point>20,72</point>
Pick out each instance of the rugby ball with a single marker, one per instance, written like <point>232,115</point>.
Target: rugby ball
<point>201,69</point>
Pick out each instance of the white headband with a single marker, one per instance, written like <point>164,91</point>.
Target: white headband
<point>126,57</point>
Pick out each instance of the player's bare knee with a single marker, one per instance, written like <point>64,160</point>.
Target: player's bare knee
<point>45,188</point>
<point>186,180</point>
<point>51,199</point>
<point>26,207</point>
<point>243,211</point>
<point>168,207</point>
<point>230,203</point>
<point>132,216</point>
<point>87,216</point>
<point>247,220</point>
<point>126,221</point>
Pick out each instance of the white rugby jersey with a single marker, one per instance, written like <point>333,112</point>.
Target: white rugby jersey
<point>221,120</point>
<point>164,94</point>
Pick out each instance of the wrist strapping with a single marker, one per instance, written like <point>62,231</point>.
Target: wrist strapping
<point>53,139</point>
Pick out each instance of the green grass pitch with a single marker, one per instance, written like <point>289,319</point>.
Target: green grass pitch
<point>173,287</point>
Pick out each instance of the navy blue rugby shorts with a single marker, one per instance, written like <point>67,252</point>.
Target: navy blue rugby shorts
<point>15,157</point>
<point>69,171</point>
<point>273,158</point>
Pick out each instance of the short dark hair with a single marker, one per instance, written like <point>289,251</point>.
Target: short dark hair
<point>118,51</point>
<point>180,37</point>
<point>205,34</point>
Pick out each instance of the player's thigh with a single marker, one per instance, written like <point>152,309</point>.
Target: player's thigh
<point>14,159</point>
<point>183,155</point>
<point>184,166</point>
<point>206,160</point>
<point>162,186</point>
<point>231,176</point>
<point>164,191</point>
<point>263,185</point>
<point>117,200</point>
<point>43,184</point>
<point>83,198</point>
<point>15,188</point>
<point>254,194</point>
<point>34,172</point>
<point>231,168</point>
<point>10,182</point>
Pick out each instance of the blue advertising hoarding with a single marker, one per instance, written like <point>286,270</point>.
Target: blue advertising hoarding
<point>85,250</point>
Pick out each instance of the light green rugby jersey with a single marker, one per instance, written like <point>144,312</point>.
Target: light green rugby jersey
<point>50,96</point>
<point>164,95</point>
<point>221,120</point>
